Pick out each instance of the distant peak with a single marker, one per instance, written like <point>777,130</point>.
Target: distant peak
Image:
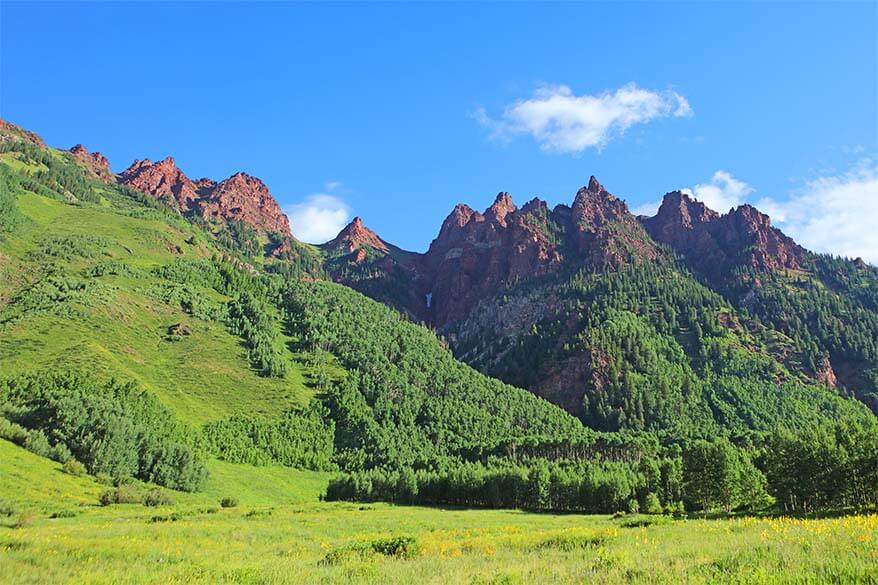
<point>355,235</point>
<point>594,185</point>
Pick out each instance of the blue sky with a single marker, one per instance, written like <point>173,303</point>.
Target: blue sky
<point>397,112</point>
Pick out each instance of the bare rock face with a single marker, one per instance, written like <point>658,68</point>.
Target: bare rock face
<point>356,235</point>
<point>605,232</point>
<point>161,179</point>
<point>476,254</point>
<point>825,374</point>
<point>241,197</point>
<point>715,244</point>
<point>10,131</point>
<point>247,199</point>
<point>95,161</point>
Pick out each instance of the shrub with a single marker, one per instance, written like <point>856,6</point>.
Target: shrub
<point>651,504</point>
<point>403,547</point>
<point>229,502</point>
<point>157,497</point>
<point>633,506</point>
<point>73,467</point>
<point>124,494</point>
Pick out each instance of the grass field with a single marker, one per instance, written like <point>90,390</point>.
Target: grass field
<point>281,533</point>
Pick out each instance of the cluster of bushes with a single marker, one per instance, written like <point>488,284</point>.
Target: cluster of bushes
<point>300,438</point>
<point>111,427</point>
<point>9,214</point>
<point>249,317</point>
<point>57,295</point>
<point>129,493</point>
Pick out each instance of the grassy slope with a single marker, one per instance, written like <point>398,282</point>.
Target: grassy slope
<point>203,376</point>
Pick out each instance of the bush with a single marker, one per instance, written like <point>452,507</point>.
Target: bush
<point>651,504</point>
<point>73,467</point>
<point>229,502</point>
<point>157,497</point>
<point>633,506</point>
<point>124,494</point>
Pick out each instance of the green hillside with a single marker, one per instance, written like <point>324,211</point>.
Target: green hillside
<point>145,348</point>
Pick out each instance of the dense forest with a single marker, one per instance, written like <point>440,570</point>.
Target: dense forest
<point>688,398</point>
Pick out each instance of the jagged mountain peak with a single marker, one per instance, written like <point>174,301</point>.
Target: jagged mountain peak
<point>716,243</point>
<point>355,235</point>
<point>240,197</point>
<point>95,161</point>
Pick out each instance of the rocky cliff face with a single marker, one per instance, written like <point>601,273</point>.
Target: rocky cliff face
<point>715,244</point>
<point>95,161</point>
<point>478,254</point>
<point>10,131</point>
<point>241,197</point>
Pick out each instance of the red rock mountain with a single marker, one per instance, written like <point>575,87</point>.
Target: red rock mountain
<point>355,236</point>
<point>241,197</point>
<point>477,254</point>
<point>10,131</point>
<point>715,244</point>
<point>95,161</point>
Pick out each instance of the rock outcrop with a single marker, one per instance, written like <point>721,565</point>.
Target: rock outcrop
<point>355,236</point>
<point>715,244</point>
<point>241,197</point>
<point>477,254</point>
<point>10,131</point>
<point>95,161</point>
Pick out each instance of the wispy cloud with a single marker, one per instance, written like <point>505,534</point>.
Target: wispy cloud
<point>561,121</point>
<point>318,218</point>
<point>722,193</point>
<point>833,214</point>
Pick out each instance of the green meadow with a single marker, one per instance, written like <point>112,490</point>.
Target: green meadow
<point>279,532</point>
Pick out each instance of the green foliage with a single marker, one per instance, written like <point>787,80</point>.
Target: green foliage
<point>303,439</point>
<point>405,400</point>
<point>229,502</point>
<point>716,475</point>
<point>110,427</point>
<point>249,317</point>
<point>74,468</point>
<point>61,178</point>
<point>820,468</point>
<point>10,217</point>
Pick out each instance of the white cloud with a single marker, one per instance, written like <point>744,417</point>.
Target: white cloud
<point>318,218</point>
<point>649,208</point>
<point>834,214</point>
<point>563,122</point>
<point>722,193</point>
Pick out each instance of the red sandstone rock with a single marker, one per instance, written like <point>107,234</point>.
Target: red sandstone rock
<point>241,197</point>
<point>715,244</point>
<point>10,131</point>
<point>95,161</point>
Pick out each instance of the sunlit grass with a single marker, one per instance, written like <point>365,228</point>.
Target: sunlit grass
<point>281,533</point>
